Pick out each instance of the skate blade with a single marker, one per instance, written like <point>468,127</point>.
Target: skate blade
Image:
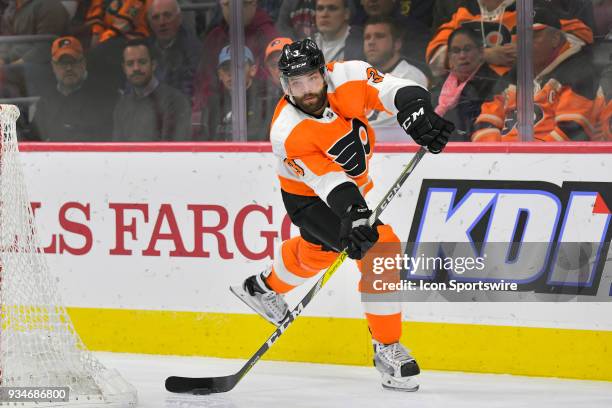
<point>406,385</point>
<point>242,295</point>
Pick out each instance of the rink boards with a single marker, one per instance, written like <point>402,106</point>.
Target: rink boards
<point>145,240</point>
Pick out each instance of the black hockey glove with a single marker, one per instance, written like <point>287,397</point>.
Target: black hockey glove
<point>355,233</point>
<point>424,125</point>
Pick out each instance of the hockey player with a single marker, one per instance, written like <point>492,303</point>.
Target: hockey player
<point>323,142</point>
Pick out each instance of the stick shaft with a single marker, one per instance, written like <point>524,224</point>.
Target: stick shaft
<point>335,265</point>
<point>226,383</point>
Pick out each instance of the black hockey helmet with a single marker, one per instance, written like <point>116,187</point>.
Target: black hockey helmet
<point>300,57</point>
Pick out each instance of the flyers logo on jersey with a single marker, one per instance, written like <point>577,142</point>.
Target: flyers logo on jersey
<point>351,150</point>
<point>494,32</point>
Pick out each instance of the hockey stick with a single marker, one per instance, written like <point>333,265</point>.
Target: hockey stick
<point>208,385</point>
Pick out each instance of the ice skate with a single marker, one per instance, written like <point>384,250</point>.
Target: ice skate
<point>397,366</point>
<point>263,300</point>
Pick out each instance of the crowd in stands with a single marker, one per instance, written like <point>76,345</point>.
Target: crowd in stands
<point>161,70</point>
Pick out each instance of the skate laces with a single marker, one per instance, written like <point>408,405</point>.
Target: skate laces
<point>395,354</point>
<point>275,304</point>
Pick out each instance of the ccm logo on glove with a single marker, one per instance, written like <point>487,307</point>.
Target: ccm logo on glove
<point>412,118</point>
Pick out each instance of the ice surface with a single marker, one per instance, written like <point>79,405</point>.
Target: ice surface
<point>300,385</point>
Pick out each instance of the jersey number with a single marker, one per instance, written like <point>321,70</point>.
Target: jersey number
<point>373,74</point>
<point>351,150</point>
<point>297,169</point>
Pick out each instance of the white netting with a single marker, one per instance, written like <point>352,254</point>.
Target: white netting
<point>38,344</point>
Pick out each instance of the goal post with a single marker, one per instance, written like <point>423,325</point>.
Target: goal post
<point>39,346</point>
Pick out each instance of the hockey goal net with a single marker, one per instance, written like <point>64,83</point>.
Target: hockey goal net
<point>39,346</point>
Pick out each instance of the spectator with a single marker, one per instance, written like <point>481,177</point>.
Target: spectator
<point>296,19</point>
<point>382,44</point>
<point>26,66</point>
<point>415,34</point>
<point>32,17</point>
<point>274,90</point>
<point>469,83</point>
<point>217,116</point>
<point>565,90</point>
<point>174,44</point>
<point>259,30</point>
<point>153,111</point>
<point>125,18</point>
<point>495,19</point>
<point>334,36</point>
<point>112,24</point>
<point>79,109</point>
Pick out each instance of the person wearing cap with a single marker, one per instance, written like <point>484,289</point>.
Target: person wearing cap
<point>259,30</point>
<point>274,90</point>
<point>174,44</point>
<point>564,95</point>
<point>79,109</point>
<point>271,56</point>
<point>216,119</point>
<point>150,111</point>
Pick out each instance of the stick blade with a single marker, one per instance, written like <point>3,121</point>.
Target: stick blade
<point>200,386</point>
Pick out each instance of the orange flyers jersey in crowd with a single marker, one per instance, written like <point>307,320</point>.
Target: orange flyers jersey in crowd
<point>564,104</point>
<point>316,154</point>
<point>606,121</point>
<point>495,30</point>
<point>118,17</point>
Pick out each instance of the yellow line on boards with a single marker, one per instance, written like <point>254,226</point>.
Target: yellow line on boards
<point>565,353</point>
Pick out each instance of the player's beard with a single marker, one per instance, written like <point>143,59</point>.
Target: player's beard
<point>315,103</point>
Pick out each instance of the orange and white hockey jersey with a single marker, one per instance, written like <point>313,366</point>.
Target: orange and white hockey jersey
<point>496,27</point>
<point>118,17</point>
<point>564,103</point>
<point>606,121</point>
<point>317,154</point>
